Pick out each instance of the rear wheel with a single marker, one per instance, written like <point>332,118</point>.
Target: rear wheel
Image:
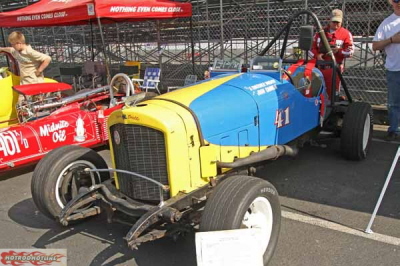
<point>58,177</point>
<point>242,202</point>
<point>356,131</point>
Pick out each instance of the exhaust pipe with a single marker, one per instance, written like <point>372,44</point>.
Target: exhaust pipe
<point>270,153</point>
<point>70,99</point>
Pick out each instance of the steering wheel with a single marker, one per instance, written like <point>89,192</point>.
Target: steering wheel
<point>288,75</point>
<point>117,81</point>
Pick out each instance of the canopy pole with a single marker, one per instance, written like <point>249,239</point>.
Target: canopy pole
<point>92,40</point>
<point>5,45</point>
<point>104,51</point>
<point>2,36</point>
<point>192,44</point>
<point>221,17</point>
<point>159,48</point>
<point>2,33</point>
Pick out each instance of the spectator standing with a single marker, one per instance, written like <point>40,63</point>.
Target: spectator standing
<point>31,62</point>
<point>207,73</point>
<point>387,38</point>
<point>341,43</point>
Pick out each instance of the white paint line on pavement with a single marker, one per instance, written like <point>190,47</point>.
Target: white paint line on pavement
<point>340,228</point>
<point>385,141</point>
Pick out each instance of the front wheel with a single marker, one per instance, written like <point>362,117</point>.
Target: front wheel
<point>356,132</point>
<point>59,177</point>
<point>242,202</point>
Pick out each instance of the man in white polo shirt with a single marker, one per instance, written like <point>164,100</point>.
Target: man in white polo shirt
<point>387,38</point>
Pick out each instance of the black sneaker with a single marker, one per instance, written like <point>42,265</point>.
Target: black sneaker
<point>390,136</point>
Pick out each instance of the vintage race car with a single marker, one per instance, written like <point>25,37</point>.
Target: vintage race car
<point>47,119</point>
<point>200,146</point>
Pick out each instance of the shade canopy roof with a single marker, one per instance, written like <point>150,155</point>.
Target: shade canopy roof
<point>76,12</point>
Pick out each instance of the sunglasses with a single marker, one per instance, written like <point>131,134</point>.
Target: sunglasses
<point>396,1</point>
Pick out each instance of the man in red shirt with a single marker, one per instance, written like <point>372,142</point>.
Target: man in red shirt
<point>341,42</point>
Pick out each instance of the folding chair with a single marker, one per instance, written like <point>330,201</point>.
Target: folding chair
<point>150,80</point>
<point>189,80</point>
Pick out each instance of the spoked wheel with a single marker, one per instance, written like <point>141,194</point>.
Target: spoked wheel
<point>72,180</point>
<point>356,131</point>
<point>242,202</point>
<point>59,177</point>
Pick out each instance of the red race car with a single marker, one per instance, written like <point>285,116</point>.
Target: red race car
<point>44,118</point>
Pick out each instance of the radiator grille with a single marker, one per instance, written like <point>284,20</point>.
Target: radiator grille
<point>141,150</point>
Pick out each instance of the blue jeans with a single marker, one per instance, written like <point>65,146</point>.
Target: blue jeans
<point>393,100</point>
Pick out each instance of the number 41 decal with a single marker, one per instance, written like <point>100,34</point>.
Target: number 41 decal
<point>282,118</point>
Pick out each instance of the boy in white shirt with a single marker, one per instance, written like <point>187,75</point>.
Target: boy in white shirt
<point>31,62</point>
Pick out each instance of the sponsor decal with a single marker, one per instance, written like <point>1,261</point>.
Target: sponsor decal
<point>133,117</point>
<point>56,130</point>
<point>145,9</point>
<point>80,130</point>
<point>9,144</point>
<point>17,257</point>
<point>90,9</point>
<point>43,16</point>
<point>268,190</point>
<point>262,88</point>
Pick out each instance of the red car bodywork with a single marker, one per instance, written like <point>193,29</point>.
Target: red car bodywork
<point>80,120</point>
<point>27,143</point>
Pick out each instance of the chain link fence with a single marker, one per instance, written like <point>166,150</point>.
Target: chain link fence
<point>229,29</point>
<point>247,27</point>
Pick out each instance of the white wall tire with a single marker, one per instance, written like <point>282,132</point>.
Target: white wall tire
<point>241,202</point>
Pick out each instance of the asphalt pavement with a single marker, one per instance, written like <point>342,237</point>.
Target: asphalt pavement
<point>326,206</point>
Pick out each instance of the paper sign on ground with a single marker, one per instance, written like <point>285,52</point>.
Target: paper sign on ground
<point>229,248</point>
